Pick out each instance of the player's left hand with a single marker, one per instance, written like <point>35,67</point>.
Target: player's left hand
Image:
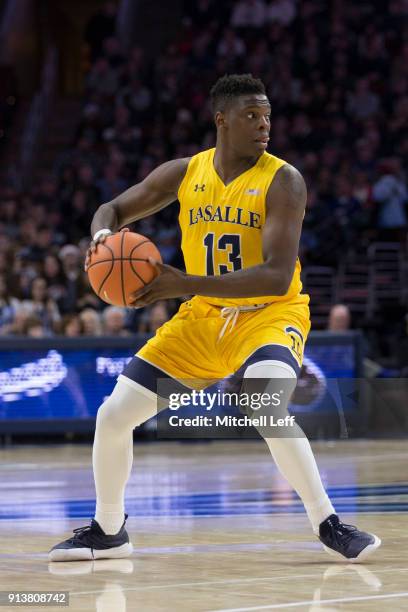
<point>169,283</point>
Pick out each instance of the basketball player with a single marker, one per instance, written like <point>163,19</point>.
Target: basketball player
<point>241,213</point>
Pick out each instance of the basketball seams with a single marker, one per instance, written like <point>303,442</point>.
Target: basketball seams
<point>122,280</point>
<point>110,271</point>
<point>136,272</point>
<point>138,245</point>
<point>118,259</point>
<point>132,259</point>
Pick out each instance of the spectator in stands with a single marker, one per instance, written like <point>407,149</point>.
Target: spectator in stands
<point>18,325</point>
<point>5,259</point>
<point>340,321</point>
<point>122,140</point>
<point>363,102</point>
<point>80,216</point>
<point>391,194</point>
<point>346,207</point>
<point>339,318</point>
<point>21,276</point>
<point>27,235</point>
<point>67,180</point>
<point>136,97</point>
<point>362,189</point>
<point>74,281</point>
<point>114,320</point>
<point>99,27</point>
<point>9,216</point>
<point>248,14</point>
<point>91,321</point>
<point>205,14</point>
<point>52,272</point>
<point>153,317</point>
<point>231,45</point>
<point>103,79</point>
<point>86,180</point>
<point>46,190</point>
<point>34,327</point>
<point>281,11</point>
<point>364,158</point>
<point>41,305</point>
<point>166,242</point>
<point>111,184</point>
<point>88,298</point>
<point>9,305</point>
<point>113,52</point>
<point>41,244</point>
<point>71,326</point>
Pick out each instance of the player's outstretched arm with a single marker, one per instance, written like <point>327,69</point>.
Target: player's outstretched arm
<point>157,190</point>
<point>286,201</point>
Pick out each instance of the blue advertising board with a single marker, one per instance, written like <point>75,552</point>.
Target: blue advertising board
<point>58,384</point>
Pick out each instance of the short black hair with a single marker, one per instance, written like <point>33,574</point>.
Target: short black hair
<point>231,86</point>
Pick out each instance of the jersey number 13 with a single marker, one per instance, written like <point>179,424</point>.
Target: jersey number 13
<point>226,242</point>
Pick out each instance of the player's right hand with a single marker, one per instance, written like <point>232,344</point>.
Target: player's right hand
<point>92,249</point>
<point>93,245</point>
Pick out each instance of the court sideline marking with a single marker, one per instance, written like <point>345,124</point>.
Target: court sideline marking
<point>231,581</point>
<point>297,604</point>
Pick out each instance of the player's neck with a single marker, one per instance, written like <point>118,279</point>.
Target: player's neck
<point>229,165</point>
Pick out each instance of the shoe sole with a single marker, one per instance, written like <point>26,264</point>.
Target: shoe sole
<point>365,553</point>
<point>90,554</point>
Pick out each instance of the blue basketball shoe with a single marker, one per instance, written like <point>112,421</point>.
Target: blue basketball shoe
<point>346,542</point>
<point>90,543</point>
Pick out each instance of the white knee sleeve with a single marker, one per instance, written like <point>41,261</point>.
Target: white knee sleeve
<point>277,377</point>
<point>128,406</point>
<point>270,368</point>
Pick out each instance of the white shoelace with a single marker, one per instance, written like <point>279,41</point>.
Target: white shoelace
<point>231,313</point>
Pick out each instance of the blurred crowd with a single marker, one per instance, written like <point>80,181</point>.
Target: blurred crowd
<point>337,77</point>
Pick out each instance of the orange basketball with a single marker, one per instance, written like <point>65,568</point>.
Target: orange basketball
<point>119,267</point>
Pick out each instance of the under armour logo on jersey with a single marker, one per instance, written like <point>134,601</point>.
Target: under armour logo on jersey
<point>253,191</point>
<point>199,187</point>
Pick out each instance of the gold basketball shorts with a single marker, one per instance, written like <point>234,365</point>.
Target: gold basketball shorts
<point>203,343</point>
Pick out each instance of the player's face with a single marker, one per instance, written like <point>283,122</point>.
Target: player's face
<point>248,121</point>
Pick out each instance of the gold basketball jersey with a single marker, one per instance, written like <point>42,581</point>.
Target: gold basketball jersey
<point>221,225</point>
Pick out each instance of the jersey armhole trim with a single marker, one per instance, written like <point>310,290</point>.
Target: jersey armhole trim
<point>181,186</point>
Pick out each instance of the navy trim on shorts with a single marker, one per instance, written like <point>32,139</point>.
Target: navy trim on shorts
<point>144,373</point>
<point>271,351</point>
<point>147,375</point>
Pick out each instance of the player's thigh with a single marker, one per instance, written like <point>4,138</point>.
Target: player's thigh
<point>279,338</point>
<point>185,348</point>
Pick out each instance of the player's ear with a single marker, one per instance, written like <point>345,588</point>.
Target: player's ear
<point>219,119</point>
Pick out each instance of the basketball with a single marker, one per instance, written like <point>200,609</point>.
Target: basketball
<point>119,266</point>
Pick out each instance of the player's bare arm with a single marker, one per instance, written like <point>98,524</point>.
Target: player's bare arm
<point>286,201</point>
<point>156,191</point>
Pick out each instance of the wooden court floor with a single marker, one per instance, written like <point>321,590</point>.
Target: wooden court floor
<point>214,527</point>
